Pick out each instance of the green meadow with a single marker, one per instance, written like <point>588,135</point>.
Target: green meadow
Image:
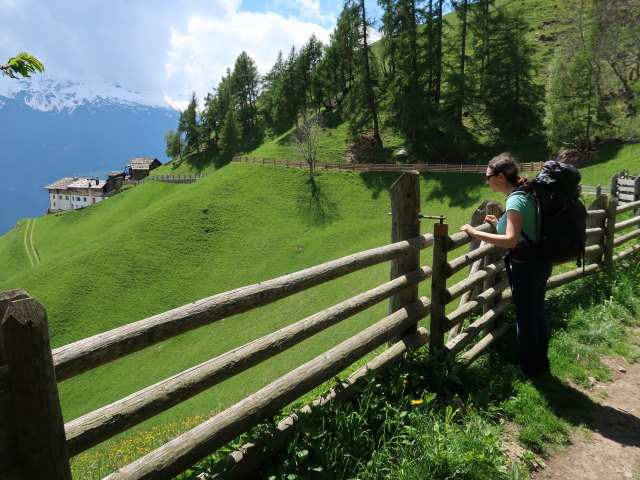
<point>159,246</point>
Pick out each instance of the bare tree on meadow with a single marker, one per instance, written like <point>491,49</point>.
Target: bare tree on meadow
<point>306,140</point>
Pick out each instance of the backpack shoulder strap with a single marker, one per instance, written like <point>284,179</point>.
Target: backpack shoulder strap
<point>522,191</point>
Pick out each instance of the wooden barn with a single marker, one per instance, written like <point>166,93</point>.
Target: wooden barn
<point>140,167</point>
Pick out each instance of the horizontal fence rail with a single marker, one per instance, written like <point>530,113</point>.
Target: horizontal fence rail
<point>481,297</point>
<point>98,426</point>
<point>385,167</point>
<point>89,353</point>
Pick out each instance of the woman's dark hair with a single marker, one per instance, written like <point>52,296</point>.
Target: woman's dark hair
<point>507,164</point>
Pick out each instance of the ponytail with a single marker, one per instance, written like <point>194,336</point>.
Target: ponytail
<point>507,164</point>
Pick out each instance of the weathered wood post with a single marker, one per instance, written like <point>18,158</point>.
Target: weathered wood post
<point>495,209</point>
<point>611,231</point>
<point>487,207</point>
<point>31,377</point>
<point>438,287</point>
<point>614,184</point>
<point>636,194</point>
<point>405,224</point>
<point>600,203</point>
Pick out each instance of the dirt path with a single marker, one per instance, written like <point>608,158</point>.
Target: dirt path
<point>36,256</point>
<point>610,449</point>
<point>30,248</point>
<point>26,242</point>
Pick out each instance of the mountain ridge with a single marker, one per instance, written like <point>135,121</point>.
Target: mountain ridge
<point>45,93</point>
<point>70,129</point>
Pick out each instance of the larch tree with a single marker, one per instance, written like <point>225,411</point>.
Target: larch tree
<point>188,125</point>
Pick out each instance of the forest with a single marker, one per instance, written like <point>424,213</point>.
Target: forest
<point>489,72</point>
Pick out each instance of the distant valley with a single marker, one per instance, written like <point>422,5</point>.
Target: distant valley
<point>50,130</point>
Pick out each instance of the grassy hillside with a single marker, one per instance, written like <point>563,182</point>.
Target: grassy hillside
<point>159,246</point>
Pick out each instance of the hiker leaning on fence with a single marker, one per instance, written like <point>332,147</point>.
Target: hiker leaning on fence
<point>528,271</point>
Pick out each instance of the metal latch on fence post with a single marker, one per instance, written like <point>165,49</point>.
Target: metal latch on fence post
<point>432,217</point>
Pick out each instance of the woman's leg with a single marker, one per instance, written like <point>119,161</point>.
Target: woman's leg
<point>541,275</point>
<point>525,298</point>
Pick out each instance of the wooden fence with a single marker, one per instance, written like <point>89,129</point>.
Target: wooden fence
<point>386,167</point>
<point>36,444</point>
<point>169,178</point>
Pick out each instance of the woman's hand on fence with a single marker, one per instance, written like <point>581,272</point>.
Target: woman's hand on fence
<point>469,229</point>
<point>492,220</point>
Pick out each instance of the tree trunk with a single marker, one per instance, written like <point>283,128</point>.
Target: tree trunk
<point>367,78</point>
<point>463,53</point>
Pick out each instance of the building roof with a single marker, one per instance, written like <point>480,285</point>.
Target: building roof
<point>114,174</point>
<point>61,184</point>
<point>76,182</point>
<point>142,163</point>
<point>84,182</point>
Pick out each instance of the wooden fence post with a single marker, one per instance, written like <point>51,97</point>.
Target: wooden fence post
<point>611,231</point>
<point>34,391</point>
<point>438,287</point>
<point>600,203</point>
<point>495,209</point>
<point>488,207</point>
<point>405,224</point>
<point>636,194</point>
<point>614,184</point>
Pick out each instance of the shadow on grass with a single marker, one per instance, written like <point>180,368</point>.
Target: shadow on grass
<point>378,182</point>
<point>314,207</point>
<point>201,160</point>
<point>609,151</point>
<point>454,189</point>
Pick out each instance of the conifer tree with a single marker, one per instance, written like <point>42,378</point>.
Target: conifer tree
<point>306,62</point>
<point>244,90</point>
<point>404,92</point>
<point>216,105</point>
<point>231,136</point>
<point>272,96</point>
<point>188,125</point>
<point>570,101</point>
<point>362,105</point>
<point>174,144</point>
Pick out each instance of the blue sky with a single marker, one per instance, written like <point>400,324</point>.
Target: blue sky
<point>163,47</point>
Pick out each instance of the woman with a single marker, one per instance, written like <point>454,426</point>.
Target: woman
<point>517,231</point>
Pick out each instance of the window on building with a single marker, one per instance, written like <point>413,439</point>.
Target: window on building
<point>84,199</point>
<point>66,197</point>
<point>78,198</point>
<point>54,204</point>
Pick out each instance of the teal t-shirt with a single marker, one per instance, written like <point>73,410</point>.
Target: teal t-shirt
<point>527,208</point>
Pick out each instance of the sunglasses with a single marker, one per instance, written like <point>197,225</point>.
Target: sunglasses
<point>494,174</point>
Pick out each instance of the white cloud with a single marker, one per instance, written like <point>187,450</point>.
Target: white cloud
<point>175,104</point>
<point>159,46</point>
<point>200,54</point>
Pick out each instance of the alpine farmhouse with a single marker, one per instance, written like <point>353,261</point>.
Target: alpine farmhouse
<point>70,193</point>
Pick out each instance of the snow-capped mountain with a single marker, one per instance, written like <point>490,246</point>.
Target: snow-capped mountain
<point>46,94</point>
<point>50,130</point>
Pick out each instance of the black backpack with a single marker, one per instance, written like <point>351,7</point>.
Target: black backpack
<point>562,217</point>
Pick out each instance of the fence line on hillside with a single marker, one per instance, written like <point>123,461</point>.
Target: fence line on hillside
<point>35,444</point>
<point>386,167</point>
<point>170,178</point>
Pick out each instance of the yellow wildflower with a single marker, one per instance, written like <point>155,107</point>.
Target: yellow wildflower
<point>417,402</point>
